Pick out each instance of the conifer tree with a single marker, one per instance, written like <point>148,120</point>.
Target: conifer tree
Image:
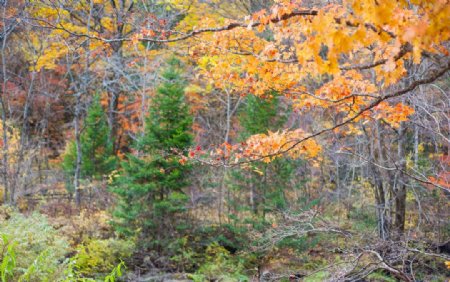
<point>150,185</point>
<point>265,183</point>
<point>98,158</point>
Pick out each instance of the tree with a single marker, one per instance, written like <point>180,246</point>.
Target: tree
<point>120,66</point>
<point>97,155</point>
<point>151,182</point>
<point>265,183</point>
<point>353,59</point>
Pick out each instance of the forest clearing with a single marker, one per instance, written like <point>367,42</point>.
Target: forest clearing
<point>225,140</point>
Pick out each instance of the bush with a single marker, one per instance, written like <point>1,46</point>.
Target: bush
<point>38,250</point>
<point>220,266</point>
<point>183,255</point>
<point>85,226</point>
<point>100,256</point>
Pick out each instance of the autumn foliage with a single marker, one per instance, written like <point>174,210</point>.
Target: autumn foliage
<point>225,140</point>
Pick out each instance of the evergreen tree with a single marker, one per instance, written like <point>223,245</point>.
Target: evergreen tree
<point>266,183</point>
<point>150,185</point>
<point>98,158</point>
<point>260,115</point>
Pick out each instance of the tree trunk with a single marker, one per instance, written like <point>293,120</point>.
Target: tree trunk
<point>379,177</point>
<point>76,180</point>
<point>253,198</point>
<point>400,185</point>
<point>4,115</point>
<point>114,80</point>
<point>382,212</point>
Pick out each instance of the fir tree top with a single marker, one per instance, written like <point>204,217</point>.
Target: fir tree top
<point>169,122</point>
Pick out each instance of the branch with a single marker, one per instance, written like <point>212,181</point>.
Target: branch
<point>404,49</point>
<point>420,178</point>
<point>193,33</point>
<point>296,226</point>
<point>434,75</point>
<point>228,27</point>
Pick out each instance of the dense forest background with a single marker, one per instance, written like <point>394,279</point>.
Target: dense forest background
<point>213,140</point>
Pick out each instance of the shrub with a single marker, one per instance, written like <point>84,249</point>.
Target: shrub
<point>100,256</point>
<point>220,266</point>
<point>85,226</point>
<point>72,275</point>
<point>183,255</point>
<point>38,250</point>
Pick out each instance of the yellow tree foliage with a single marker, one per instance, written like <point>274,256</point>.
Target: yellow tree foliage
<point>356,53</point>
<point>94,26</point>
